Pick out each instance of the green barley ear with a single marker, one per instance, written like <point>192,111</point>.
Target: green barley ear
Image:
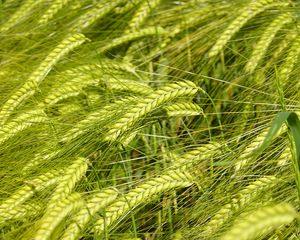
<point>146,32</point>
<point>142,194</point>
<point>128,86</point>
<point>265,40</point>
<point>256,143</point>
<point>247,13</point>
<point>68,89</point>
<point>95,202</point>
<point>95,118</point>
<point>22,12</point>
<point>240,200</point>
<point>31,84</point>
<point>141,14</point>
<point>20,213</point>
<point>21,122</point>
<point>54,216</point>
<point>287,67</point>
<point>261,222</point>
<point>55,6</point>
<point>183,109</point>
<point>71,176</point>
<point>95,13</point>
<point>147,104</point>
<point>10,206</point>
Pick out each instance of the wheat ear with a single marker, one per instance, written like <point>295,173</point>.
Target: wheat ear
<point>95,13</point>
<point>20,213</point>
<point>9,206</point>
<point>241,199</point>
<point>38,159</point>
<point>146,32</point>
<point>30,85</point>
<point>69,89</point>
<point>93,204</point>
<point>292,58</point>
<point>143,11</point>
<point>54,216</point>
<point>285,157</point>
<point>183,109</point>
<point>67,182</point>
<point>261,222</point>
<point>148,104</point>
<point>265,40</point>
<point>128,86</point>
<point>20,14</point>
<point>104,65</point>
<point>21,122</point>
<point>246,14</point>
<point>142,194</point>
<point>55,6</point>
<point>95,118</point>
<point>246,155</point>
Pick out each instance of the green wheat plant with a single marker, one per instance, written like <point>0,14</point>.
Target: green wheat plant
<point>149,119</point>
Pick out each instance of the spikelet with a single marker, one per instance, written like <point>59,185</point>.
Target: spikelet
<point>265,40</point>
<point>148,104</point>
<point>241,199</point>
<point>246,155</point>
<point>54,216</point>
<point>30,85</point>
<point>143,11</point>
<point>142,194</point>
<point>20,14</point>
<point>10,206</point>
<point>94,118</point>
<point>183,109</point>
<point>146,32</point>
<point>71,176</point>
<point>293,55</point>
<point>56,5</point>
<point>247,13</point>
<point>261,222</point>
<point>21,122</point>
<point>94,14</point>
<point>93,204</point>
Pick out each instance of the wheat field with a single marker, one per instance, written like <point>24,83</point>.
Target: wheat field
<point>149,119</point>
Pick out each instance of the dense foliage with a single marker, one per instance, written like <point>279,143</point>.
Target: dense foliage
<point>149,119</point>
